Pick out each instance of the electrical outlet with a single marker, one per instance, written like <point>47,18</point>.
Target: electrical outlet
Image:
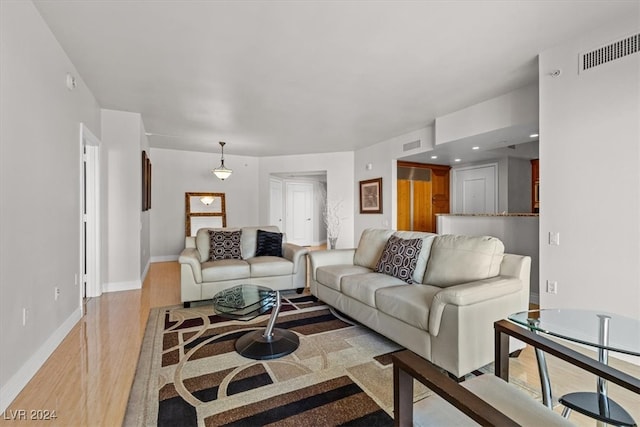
<point>56,293</point>
<point>552,287</point>
<point>554,238</point>
<point>24,316</point>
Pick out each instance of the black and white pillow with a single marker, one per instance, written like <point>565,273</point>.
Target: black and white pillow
<point>224,245</point>
<point>399,258</point>
<point>268,243</point>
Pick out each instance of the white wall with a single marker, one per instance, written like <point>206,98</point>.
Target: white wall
<point>518,108</point>
<point>40,193</point>
<point>145,217</point>
<point>121,138</point>
<point>519,185</point>
<point>178,172</point>
<point>589,163</point>
<point>339,168</point>
<point>383,159</point>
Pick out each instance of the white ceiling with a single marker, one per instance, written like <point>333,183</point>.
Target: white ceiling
<point>294,77</point>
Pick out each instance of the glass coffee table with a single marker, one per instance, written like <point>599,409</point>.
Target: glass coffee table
<point>603,331</point>
<point>246,302</point>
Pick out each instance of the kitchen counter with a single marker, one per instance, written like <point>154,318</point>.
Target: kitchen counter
<point>493,214</point>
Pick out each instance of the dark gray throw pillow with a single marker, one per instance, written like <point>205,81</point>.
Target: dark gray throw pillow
<point>224,245</point>
<point>268,243</point>
<point>399,258</point>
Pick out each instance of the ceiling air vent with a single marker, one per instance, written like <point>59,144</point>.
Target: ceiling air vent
<point>610,52</point>
<point>411,145</point>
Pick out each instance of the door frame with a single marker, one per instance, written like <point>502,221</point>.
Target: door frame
<point>90,254</point>
<point>454,184</point>
<point>280,222</point>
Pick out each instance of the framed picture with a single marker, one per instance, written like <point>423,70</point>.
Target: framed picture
<point>146,182</point>
<point>371,196</point>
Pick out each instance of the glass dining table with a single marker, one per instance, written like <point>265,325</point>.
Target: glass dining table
<point>603,331</point>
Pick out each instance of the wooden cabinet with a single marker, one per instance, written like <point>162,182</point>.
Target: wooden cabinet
<point>535,186</point>
<point>419,200</point>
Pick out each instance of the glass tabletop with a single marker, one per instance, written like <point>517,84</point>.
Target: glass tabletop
<point>244,302</point>
<point>584,326</point>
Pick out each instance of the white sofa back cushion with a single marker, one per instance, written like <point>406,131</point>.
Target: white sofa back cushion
<point>247,240</point>
<point>370,247</point>
<point>459,259</point>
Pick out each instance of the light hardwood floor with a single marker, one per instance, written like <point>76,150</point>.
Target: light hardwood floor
<point>86,381</point>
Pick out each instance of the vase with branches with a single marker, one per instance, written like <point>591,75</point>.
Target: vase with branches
<point>332,220</point>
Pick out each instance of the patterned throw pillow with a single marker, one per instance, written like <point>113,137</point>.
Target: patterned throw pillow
<point>224,245</point>
<point>268,243</point>
<point>399,258</point>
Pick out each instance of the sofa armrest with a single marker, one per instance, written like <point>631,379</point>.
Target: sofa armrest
<point>295,254</point>
<point>191,257</point>
<point>330,257</point>
<point>471,293</point>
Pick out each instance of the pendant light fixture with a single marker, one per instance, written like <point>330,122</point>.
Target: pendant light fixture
<point>221,171</point>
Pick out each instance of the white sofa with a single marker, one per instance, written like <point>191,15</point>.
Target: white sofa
<point>462,284</point>
<point>201,278</point>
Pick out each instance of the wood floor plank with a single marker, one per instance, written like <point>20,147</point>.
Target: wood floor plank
<point>88,377</point>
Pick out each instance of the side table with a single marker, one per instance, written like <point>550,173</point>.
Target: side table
<point>527,329</point>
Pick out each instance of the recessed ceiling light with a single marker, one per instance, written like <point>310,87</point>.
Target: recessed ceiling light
<point>457,160</point>
<point>475,148</point>
<point>533,135</point>
<point>434,157</point>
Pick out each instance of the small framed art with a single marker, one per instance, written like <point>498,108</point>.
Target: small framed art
<point>371,196</point>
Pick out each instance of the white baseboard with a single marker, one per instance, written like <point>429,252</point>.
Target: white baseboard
<point>19,380</point>
<point>165,258</point>
<point>122,286</point>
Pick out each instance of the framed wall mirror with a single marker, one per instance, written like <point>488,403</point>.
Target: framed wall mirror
<point>204,210</point>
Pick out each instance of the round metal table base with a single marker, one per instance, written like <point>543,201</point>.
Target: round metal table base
<point>589,404</point>
<point>255,345</point>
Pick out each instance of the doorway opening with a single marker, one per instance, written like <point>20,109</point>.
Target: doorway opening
<point>296,204</point>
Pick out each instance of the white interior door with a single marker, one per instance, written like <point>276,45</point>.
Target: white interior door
<point>299,213</point>
<point>90,285</point>
<point>275,203</point>
<point>476,189</point>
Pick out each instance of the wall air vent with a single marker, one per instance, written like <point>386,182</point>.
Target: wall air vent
<point>411,145</point>
<point>610,52</point>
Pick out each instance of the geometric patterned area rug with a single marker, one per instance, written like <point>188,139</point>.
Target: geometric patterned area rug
<point>189,373</point>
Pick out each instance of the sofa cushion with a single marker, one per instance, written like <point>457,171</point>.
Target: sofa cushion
<point>370,247</point>
<point>331,275</point>
<point>268,243</point>
<point>203,241</point>
<point>225,269</point>
<point>267,266</point>
<point>363,287</point>
<point>224,245</point>
<point>427,241</point>
<point>249,239</point>
<point>460,259</point>
<point>399,258</point>
<point>407,303</point>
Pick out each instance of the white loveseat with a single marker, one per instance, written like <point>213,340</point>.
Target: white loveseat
<point>201,277</point>
<point>462,284</point>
